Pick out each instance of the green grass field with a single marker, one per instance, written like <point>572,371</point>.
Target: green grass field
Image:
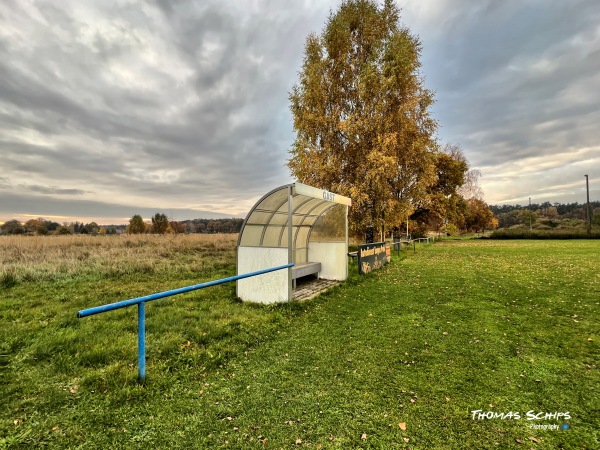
<point>395,359</point>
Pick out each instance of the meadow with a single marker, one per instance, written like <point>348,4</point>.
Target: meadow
<point>399,358</point>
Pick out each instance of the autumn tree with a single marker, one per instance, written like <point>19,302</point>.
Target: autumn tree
<point>160,223</point>
<point>92,227</point>
<point>64,230</point>
<point>36,226</point>
<point>177,227</point>
<point>31,225</point>
<point>136,225</point>
<point>444,205</point>
<point>479,215</point>
<point>362,115</point>
<point>12,227</point>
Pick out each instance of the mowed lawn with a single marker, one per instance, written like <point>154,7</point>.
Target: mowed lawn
<point>396,359</point>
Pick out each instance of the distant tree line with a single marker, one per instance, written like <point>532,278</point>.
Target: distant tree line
<point>33,226</point>
<point>159,224</point>
<point>43,227</point>
<point>546,214</point>
<point>213,225</point>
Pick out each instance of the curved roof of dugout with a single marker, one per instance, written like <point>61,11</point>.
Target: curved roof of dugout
<point>266,224</point>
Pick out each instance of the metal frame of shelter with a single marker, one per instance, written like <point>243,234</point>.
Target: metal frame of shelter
<point>292,224</point>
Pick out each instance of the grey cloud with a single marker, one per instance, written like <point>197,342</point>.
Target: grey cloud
<point>19,205</point>
<point>51,190</point>
<point>203,138</point>
<point>490,97</point>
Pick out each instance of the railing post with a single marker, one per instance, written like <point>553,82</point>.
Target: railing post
<point>141,342</point>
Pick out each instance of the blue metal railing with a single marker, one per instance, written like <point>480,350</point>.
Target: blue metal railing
<point>141,301</point>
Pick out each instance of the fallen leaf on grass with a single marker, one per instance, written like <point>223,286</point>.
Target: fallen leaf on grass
<point>412,400</point>
<point>590,339</point>
<point>445,333</point>
<point>73,389</point>
<point>519,441</point>
<point>402,426</point>
<point>298,441</point>
<point>537,441</point>
<point>407,440</point>
<point>363,436</point>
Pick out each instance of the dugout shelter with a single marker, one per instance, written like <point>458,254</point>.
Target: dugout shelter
<point>294,223</point>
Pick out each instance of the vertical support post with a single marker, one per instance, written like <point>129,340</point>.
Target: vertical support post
<point>290,244</point>
<point>589,211</point>
<point>530,229</point>
<point>347,243</point>
<point>141,342</point>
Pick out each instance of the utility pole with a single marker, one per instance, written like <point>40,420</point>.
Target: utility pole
<point>530,215</point>
<point>589,212</point>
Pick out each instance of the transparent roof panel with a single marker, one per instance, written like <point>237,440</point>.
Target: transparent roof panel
<point>320,209</point>
<point>308,207</point>
<point>300,220</point>
<point>298,202</point>
<point>279,219</point>
<point>308,220</point>
<point>284,236</point>
<point>314,212</point>
<point>331,226</point>
<point>273,201</point>
<point>272,236</point>
<point>260,218</point>
<point>302,237</point>
<point>251,235</point>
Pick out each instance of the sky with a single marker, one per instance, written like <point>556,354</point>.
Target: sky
<point>110,109</point>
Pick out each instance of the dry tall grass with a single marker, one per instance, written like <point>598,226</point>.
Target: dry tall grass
<point>47,258</point>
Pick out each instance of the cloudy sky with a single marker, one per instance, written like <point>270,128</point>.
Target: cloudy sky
<point>108,109</point>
